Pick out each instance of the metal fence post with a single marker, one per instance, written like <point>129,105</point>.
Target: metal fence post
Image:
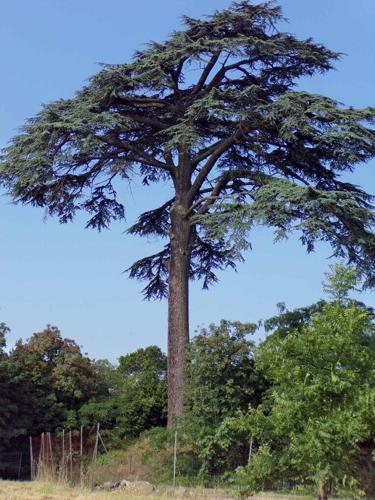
<point>174,459</point>
<point>93,466</point>
<point>250,451</point>
<point>31,459</point>
<point>81,455</point>
<point>70,457</point>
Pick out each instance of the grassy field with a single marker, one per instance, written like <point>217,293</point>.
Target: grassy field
<point>14,490</point>
<point>38,490</point>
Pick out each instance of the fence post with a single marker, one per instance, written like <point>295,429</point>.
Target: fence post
<point>19,467</point>
<point>174,459</point>
<point>49,445</point>
<point>93,466</point>
<point>70,457</point>
<point>31,459</point>
<point>81,455</point>
<point>101,440</point>
<point>41,449</point>
<point>47,455</point>
<point>250,451</point>
<point>62,469</point>
<point>40,465</point>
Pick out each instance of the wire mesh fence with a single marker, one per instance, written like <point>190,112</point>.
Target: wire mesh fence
<point>66,456</point>
<point>74,457</point>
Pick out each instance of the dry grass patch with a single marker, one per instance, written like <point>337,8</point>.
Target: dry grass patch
<point>39,490</point>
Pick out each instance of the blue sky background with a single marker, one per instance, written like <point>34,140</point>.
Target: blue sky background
<point>72,277</point>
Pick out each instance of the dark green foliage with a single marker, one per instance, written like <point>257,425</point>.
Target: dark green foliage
<point>12,423</point>
<point>47,384</point>
<point>143,365</point>
<point>53,379</point>
<point>222,380</point>
<point>135,398</point>
<point>3,332</point>
<point>106,376</point>
<point>288,321</point>
<point>214,110</point>
<point>221,373</point>
<point>143,395</point>
<point>43,382</point>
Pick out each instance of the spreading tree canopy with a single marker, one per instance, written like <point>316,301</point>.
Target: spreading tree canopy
<point>215,111</point>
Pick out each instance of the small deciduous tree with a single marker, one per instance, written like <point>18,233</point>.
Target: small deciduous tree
<point>320,407</point>
<point>215,112</point>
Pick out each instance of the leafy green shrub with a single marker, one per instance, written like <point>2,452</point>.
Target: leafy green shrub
<point>259,475</point>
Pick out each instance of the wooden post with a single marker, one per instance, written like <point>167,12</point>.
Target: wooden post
<point>19,467</point>
<point>44,447</point>
<point>41,448</point>
<point>62,470</point>
<point>101,440</point>
<point>52,462</point>
<point>70,457</point>
<point>46,454</point>
<point>41,467</point>
<point>93,467</point>
<point>174,459</point>
<point>31,460</point>
<point>81,457</point>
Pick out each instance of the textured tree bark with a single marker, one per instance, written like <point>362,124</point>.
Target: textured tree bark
<point>178,310</point>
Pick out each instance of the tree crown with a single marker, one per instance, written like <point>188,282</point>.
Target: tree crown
<point>214,110</point>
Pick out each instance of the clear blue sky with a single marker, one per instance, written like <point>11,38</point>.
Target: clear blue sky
<point>72,277</point>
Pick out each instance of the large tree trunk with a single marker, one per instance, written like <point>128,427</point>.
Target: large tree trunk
<point>178,310</point>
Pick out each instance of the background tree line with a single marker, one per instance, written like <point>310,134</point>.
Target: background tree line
<point>303,399</point>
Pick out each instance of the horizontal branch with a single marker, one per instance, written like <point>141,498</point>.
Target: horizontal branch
<point>148,120</point>
<point>139,156</point>
<point>141,101</point>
